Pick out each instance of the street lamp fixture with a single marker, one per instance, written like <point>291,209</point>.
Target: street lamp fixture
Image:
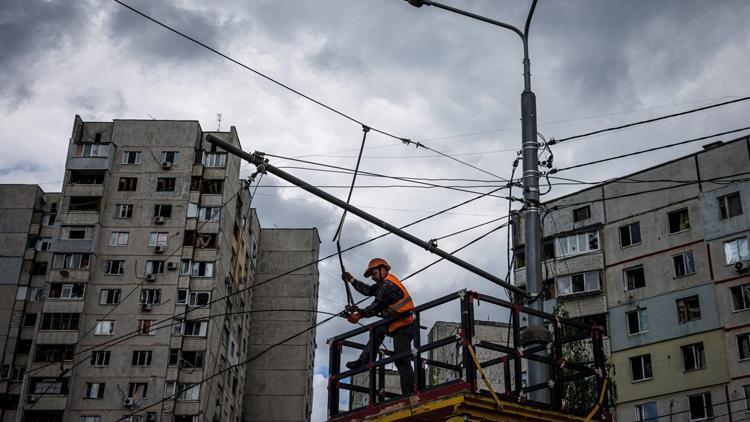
<point>538,372</point>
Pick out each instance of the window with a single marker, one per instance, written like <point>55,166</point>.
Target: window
<point>688,309</point>
<point>199,298</point>
<point>182,391</point>
<point>100,358</point>
<point>193,328</point>
<point>163,210</point>
<point>637,321</point>
<point>736,250</point>
<point>123,210</point>
<point>700,406</point>
<point>49,220</point>
<point>578,283</point>
<point>141,358</point>
<point>70,261</point>
<point>23,346</point>
<point>151,296</point>
<point>158,239</point>
<point>43,244</point>
<point>144,327</point>
<point>177,327</point>
<point>53,352</point>
<point>84,203</point>
<point>92,150</point>
<point>174,357</point>
<point>199,240</point>
<point>640,367</point>
<point>197,268</point>
<point>740,297</point>
<point>16,375</point>
<point>48,386</point>
<point>39,268</point>
<point>127,184</point>
<point>209,186</point>
<point>170,156</point>
<point>36,294</point>
<point>191,359</point>
<point>154,267</point>
<point>94,390</point>
<point>630,234</point>
<point>746,389</point>
<point>137,390</point>
<point>580,214</point>
<point>214,159</point>
<point>182,296</point>
<point>683,264</point>
<point>119,239</point>
<point>114,267</point>
<point>635,278</point>
<point>730,205</point>
<point>209,213</point>
<point>678,220</point>
<point>165,184</point>
<point>577,243</point>
<point>743,346</point>
<point>131,157</point>
<point>693,356</point>
<point>646,412</point>
<point>77,232</point>
<point>109,296</point>
<point>90,419</point>
<point>66,290</point>
<point>29,320</point>
<point>60,321</point>
<point>84,177</point>
<point>104,327</point>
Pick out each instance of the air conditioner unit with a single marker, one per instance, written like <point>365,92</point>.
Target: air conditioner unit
<point>150,277</point>
<point>741,266</point>
<point>147,307</point>
<point>172,266</point>
<point>159,249</point>
<point>150,417</point>
<point>128,402</point>
<point>166,165</point>
<point>158,219</point>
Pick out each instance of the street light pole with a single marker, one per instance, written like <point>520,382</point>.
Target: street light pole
<point>537,371</point>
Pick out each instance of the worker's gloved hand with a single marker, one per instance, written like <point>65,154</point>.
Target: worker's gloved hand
<point>348,277</point>
<point>354,317</point>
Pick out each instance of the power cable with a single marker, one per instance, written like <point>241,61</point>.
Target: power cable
<point>428,179</point>
<point>404,140</point>
<point>668,116</point>
<point>617,157</point>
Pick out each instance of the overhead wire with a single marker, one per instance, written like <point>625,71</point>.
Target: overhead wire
<point>617,157</point>
<point>642,122</point>
<point>347,116</point>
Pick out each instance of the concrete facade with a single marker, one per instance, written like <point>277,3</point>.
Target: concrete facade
<point>668,241</point>
<point>127,276</point>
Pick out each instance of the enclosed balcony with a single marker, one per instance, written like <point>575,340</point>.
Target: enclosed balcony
<point>90,156</point>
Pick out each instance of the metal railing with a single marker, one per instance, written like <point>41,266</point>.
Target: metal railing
<point>512,355</point>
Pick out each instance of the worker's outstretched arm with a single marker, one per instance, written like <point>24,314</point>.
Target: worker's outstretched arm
<point>361,287</point>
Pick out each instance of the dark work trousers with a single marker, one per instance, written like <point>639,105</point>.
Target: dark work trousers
<point>402,338</point>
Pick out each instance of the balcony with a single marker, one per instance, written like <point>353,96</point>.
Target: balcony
<point>90,157</point>
<point>83,190</point>
<point>47,401</point>
<point>63,305</point>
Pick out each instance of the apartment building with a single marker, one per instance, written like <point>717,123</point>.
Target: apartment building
<point>652,257</point>
<point>135,296</point>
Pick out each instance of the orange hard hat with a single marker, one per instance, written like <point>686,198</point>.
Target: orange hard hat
<point>374,264</point>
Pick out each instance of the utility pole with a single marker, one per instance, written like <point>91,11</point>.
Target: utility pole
<point>536,332</point>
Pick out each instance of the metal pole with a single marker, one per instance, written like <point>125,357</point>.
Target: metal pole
<point>257,159</point>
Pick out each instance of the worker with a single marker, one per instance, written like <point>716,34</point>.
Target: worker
<point>391,298</point>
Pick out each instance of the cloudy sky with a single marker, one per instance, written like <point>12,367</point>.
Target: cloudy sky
<point>422,74</point>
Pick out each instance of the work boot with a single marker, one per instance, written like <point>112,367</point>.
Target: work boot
<point>356,364</point>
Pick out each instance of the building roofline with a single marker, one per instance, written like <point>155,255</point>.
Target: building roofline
<point>616,179</point>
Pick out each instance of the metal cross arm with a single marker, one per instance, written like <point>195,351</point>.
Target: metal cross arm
<point>258,160</point>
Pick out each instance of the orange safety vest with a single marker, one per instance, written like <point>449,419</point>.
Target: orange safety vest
<point>402,305</point>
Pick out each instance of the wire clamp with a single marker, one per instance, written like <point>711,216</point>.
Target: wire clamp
<point>432,244</point>
<point>365,128</point>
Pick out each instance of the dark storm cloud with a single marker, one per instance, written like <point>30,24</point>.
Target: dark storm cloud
<point>29,30</point>
<point>153,45</point>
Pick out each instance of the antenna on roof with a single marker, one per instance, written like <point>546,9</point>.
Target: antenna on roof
<point>218,119</point>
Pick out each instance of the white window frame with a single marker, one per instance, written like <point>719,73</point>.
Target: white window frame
<point>640,414</point>
<point>88,232</point>
<point>119,238</point>
<point>643,367</point>
<point>630,234</point>
<point>740,337</point>
<point>724,205</point>
<point>741,248</point>
<point>150,296</point>
<point>104,296</point>
<point>123,211</point>
<point>193,297</point>
<point>100,358</point>
<point>89,150</point>
<point>95,390</point>
<point>688,270</point>
<point>43,244</point>
<point>165,156</point>
<point>114,267</point>
<point>698,352</point>
<point>709,411</point>
<point>214,159</point>
<point>182,296</point>
<point>155,266</point>
<point>142,358</point>
<point>104,327</point>
<point>591,283</point>
<point>141,327</point>
<point>625,277</point>
<point>201,331</point>
<point>211,214</point>
<point>158,239</point>
<point>127,155</point>
<point>581,242</point>
<point>744,291</point>
<point>642,314</point>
